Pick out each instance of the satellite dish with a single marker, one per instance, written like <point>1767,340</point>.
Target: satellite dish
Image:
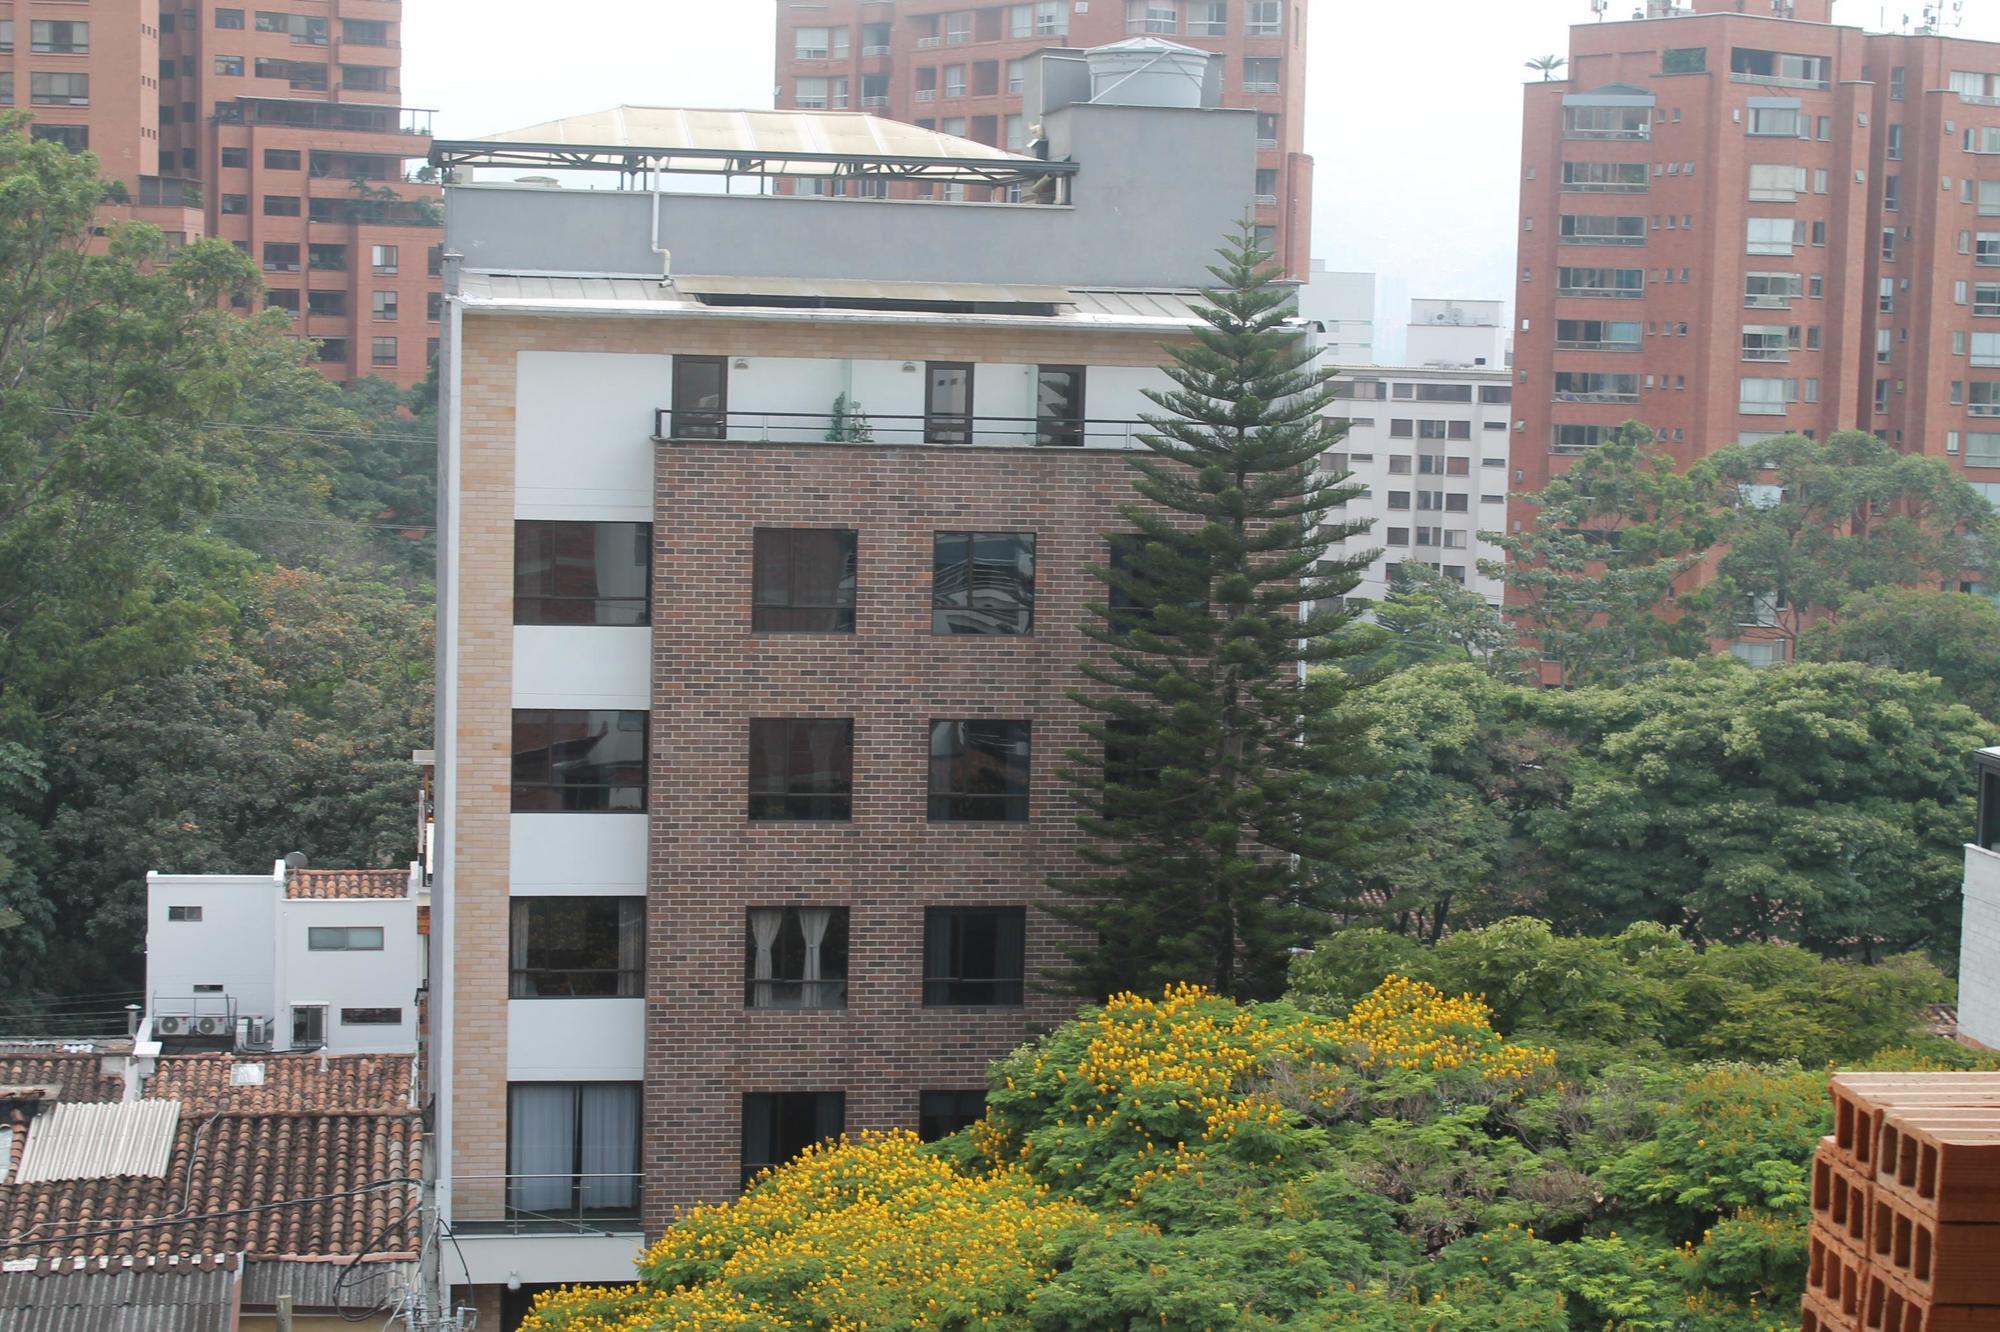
<point>295,860</point>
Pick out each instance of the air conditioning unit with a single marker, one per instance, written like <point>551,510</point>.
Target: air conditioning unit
<point>211,1026</point>
<point>169,1026</point>
<point>257,1032</point>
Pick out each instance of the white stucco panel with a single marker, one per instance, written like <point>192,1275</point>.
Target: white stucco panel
<point>583,426</point>
<point>576,1040</point>
<point>578,855</point>
<point>582,666</point>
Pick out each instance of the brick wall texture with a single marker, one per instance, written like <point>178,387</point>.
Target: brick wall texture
<point>708,864</point>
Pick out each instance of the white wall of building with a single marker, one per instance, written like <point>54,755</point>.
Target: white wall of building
<point>1979,953</point>
<point>577,855</point>
<point>582,666</point>
<point>583,432</point>
<point>255,943</point>
<point>576,1040</point>
<point>233,945</point>
<point>1344,305</point>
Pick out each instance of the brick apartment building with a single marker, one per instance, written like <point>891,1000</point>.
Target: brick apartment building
<point>959,68</point>
<point>275,125</point>
<point>751,714</point>
<point>1736,224</point>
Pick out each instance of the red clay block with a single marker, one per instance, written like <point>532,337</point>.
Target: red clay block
<point>1860,1098</point>
<point>1817,1315</point>
<point>1835,1273</point>
<point>1840,1197</point>
<point>1946,1164</point>
<point>1944,1264</point>
<point>1891,1306</point>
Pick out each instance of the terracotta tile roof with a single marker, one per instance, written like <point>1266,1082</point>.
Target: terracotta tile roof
<point>292,1083</point>
<point>319,1161</point>
<point>331,883</point>
<point>267,1185</point>
<point>81,1076</point>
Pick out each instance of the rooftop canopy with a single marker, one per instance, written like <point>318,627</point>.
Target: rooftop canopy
<point>636,140</point>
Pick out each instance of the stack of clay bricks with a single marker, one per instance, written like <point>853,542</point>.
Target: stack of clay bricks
<point>1906,1206</point>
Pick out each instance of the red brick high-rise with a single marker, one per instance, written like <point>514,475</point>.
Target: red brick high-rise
<point>1737,223</point>
<point>956,67</point>
<point>275,125</point>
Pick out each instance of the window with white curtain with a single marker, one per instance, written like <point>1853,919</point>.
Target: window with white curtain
<point>1771,235</point>
<point>1160,16</point>
<point>572,1149</point>
<point>1776,184</point>
<point>1765,397</point>
<point>796,957</point>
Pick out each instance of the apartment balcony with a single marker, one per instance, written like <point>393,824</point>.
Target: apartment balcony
<point>1266,200</point>
<point>1259,87</point>
<point>872,52</point>
<point>1602,240</point>
<point>926,95</point>
<point>1573,345</point>
<point>1778,81</point>
<point>751,427</point>
<point>874,103</point>
<point>929,43</point>
<point>500,1236</point>
<point>1769,355</point>
<point>1596,397</point>
<point>1603,293</point>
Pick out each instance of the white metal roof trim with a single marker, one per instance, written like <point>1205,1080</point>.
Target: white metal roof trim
<point>871,289</point>
<point>100,1141</point>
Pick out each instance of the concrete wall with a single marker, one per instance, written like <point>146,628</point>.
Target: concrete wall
<point>385,979</point>
<point>232,945</point>
<point>1182,207</point>
<point>1979,953</point>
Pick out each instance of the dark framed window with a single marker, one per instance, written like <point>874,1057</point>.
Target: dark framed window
<point>371,1017</point>
<point>979,771</point>
<point>983,583</point>
<point>777,1126</point>
<point>281,159</point>
<point>184,913</point>
<point>585,761</point>
<point>801,768</point>
<point>308,1025</point>
<point>235,157</point>
<point>573,572</point>
<point>281,205</point>
<point>572,1149</point>
<point>1059,410</point>
<point>943,1113</point>
<point>701,397</point>
<point>973,956</point>
<point>948,402</point>
<point>795,957</point>
<point>229,18</point>
<point>75,138</point>
<point>577,948</point>
<point>803,580</point>
<point>344,939</point>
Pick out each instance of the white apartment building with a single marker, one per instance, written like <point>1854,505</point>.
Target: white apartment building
<point>296,959</point>
<point>1429,440</point>
<point>1341,307</point>
<point>1979,944</point>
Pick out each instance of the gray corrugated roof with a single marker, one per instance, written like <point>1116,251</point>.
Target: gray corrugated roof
<point>311,1285</point>
<point>142,1299</point>
<point>100,1141</point>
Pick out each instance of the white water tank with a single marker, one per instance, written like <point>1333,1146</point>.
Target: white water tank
<point>1146,71</point>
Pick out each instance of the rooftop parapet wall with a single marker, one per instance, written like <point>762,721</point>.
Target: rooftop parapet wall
<point>1138,217</point>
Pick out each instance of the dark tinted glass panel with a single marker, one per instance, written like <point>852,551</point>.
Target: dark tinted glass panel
<point>796,957</point>
<point>979,771</point>
<point>983,583</point>
<point>948,402</point>
<point>701,397</point>
<point>801,769</point>
<point>582,573</point>
<point>578,948</point>
<point>777,1126</point>
<point>587,761</point>
<point>973,955</point>
<point>803,581</point>
<point>943,1113</point>
<point>1059,405</point>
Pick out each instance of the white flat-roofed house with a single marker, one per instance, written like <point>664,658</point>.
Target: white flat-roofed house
<point>296,959</point>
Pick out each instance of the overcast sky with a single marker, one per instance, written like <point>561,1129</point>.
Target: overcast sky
<point>1414,108</point>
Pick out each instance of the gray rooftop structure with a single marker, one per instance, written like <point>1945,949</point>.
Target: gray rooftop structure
<point>120,1299</point>
<point>1131,197</point>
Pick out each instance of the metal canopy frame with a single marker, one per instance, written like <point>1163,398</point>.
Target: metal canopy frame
<point>632,163</point>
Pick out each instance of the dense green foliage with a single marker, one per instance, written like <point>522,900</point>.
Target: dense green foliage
<point>1819,804</point>
<point>1952,635</point>
<point>214,610</point>
<point>1217,772</point>
<point>1372,1155</point>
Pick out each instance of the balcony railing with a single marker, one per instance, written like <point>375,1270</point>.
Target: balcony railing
<point>873,103</point>
<point>929,43</point>
<point>1267,200</point>
<point>876,50</point>
<point>545,1204</point>
<point>1755,301</point>
<point>926,94</point>
<point>1603,240</point>
<point>1605,187</point>
<point>1259,86</point>
<point>1563,344</point>
<point>1777,81</point>
<point>1978,99</point>
<point>1565,396</point>
<point>1766,354</point>
<point>1606,293</point>
<point>703,426</point>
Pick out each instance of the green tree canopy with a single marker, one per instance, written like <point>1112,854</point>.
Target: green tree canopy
<point>1954,636</point>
